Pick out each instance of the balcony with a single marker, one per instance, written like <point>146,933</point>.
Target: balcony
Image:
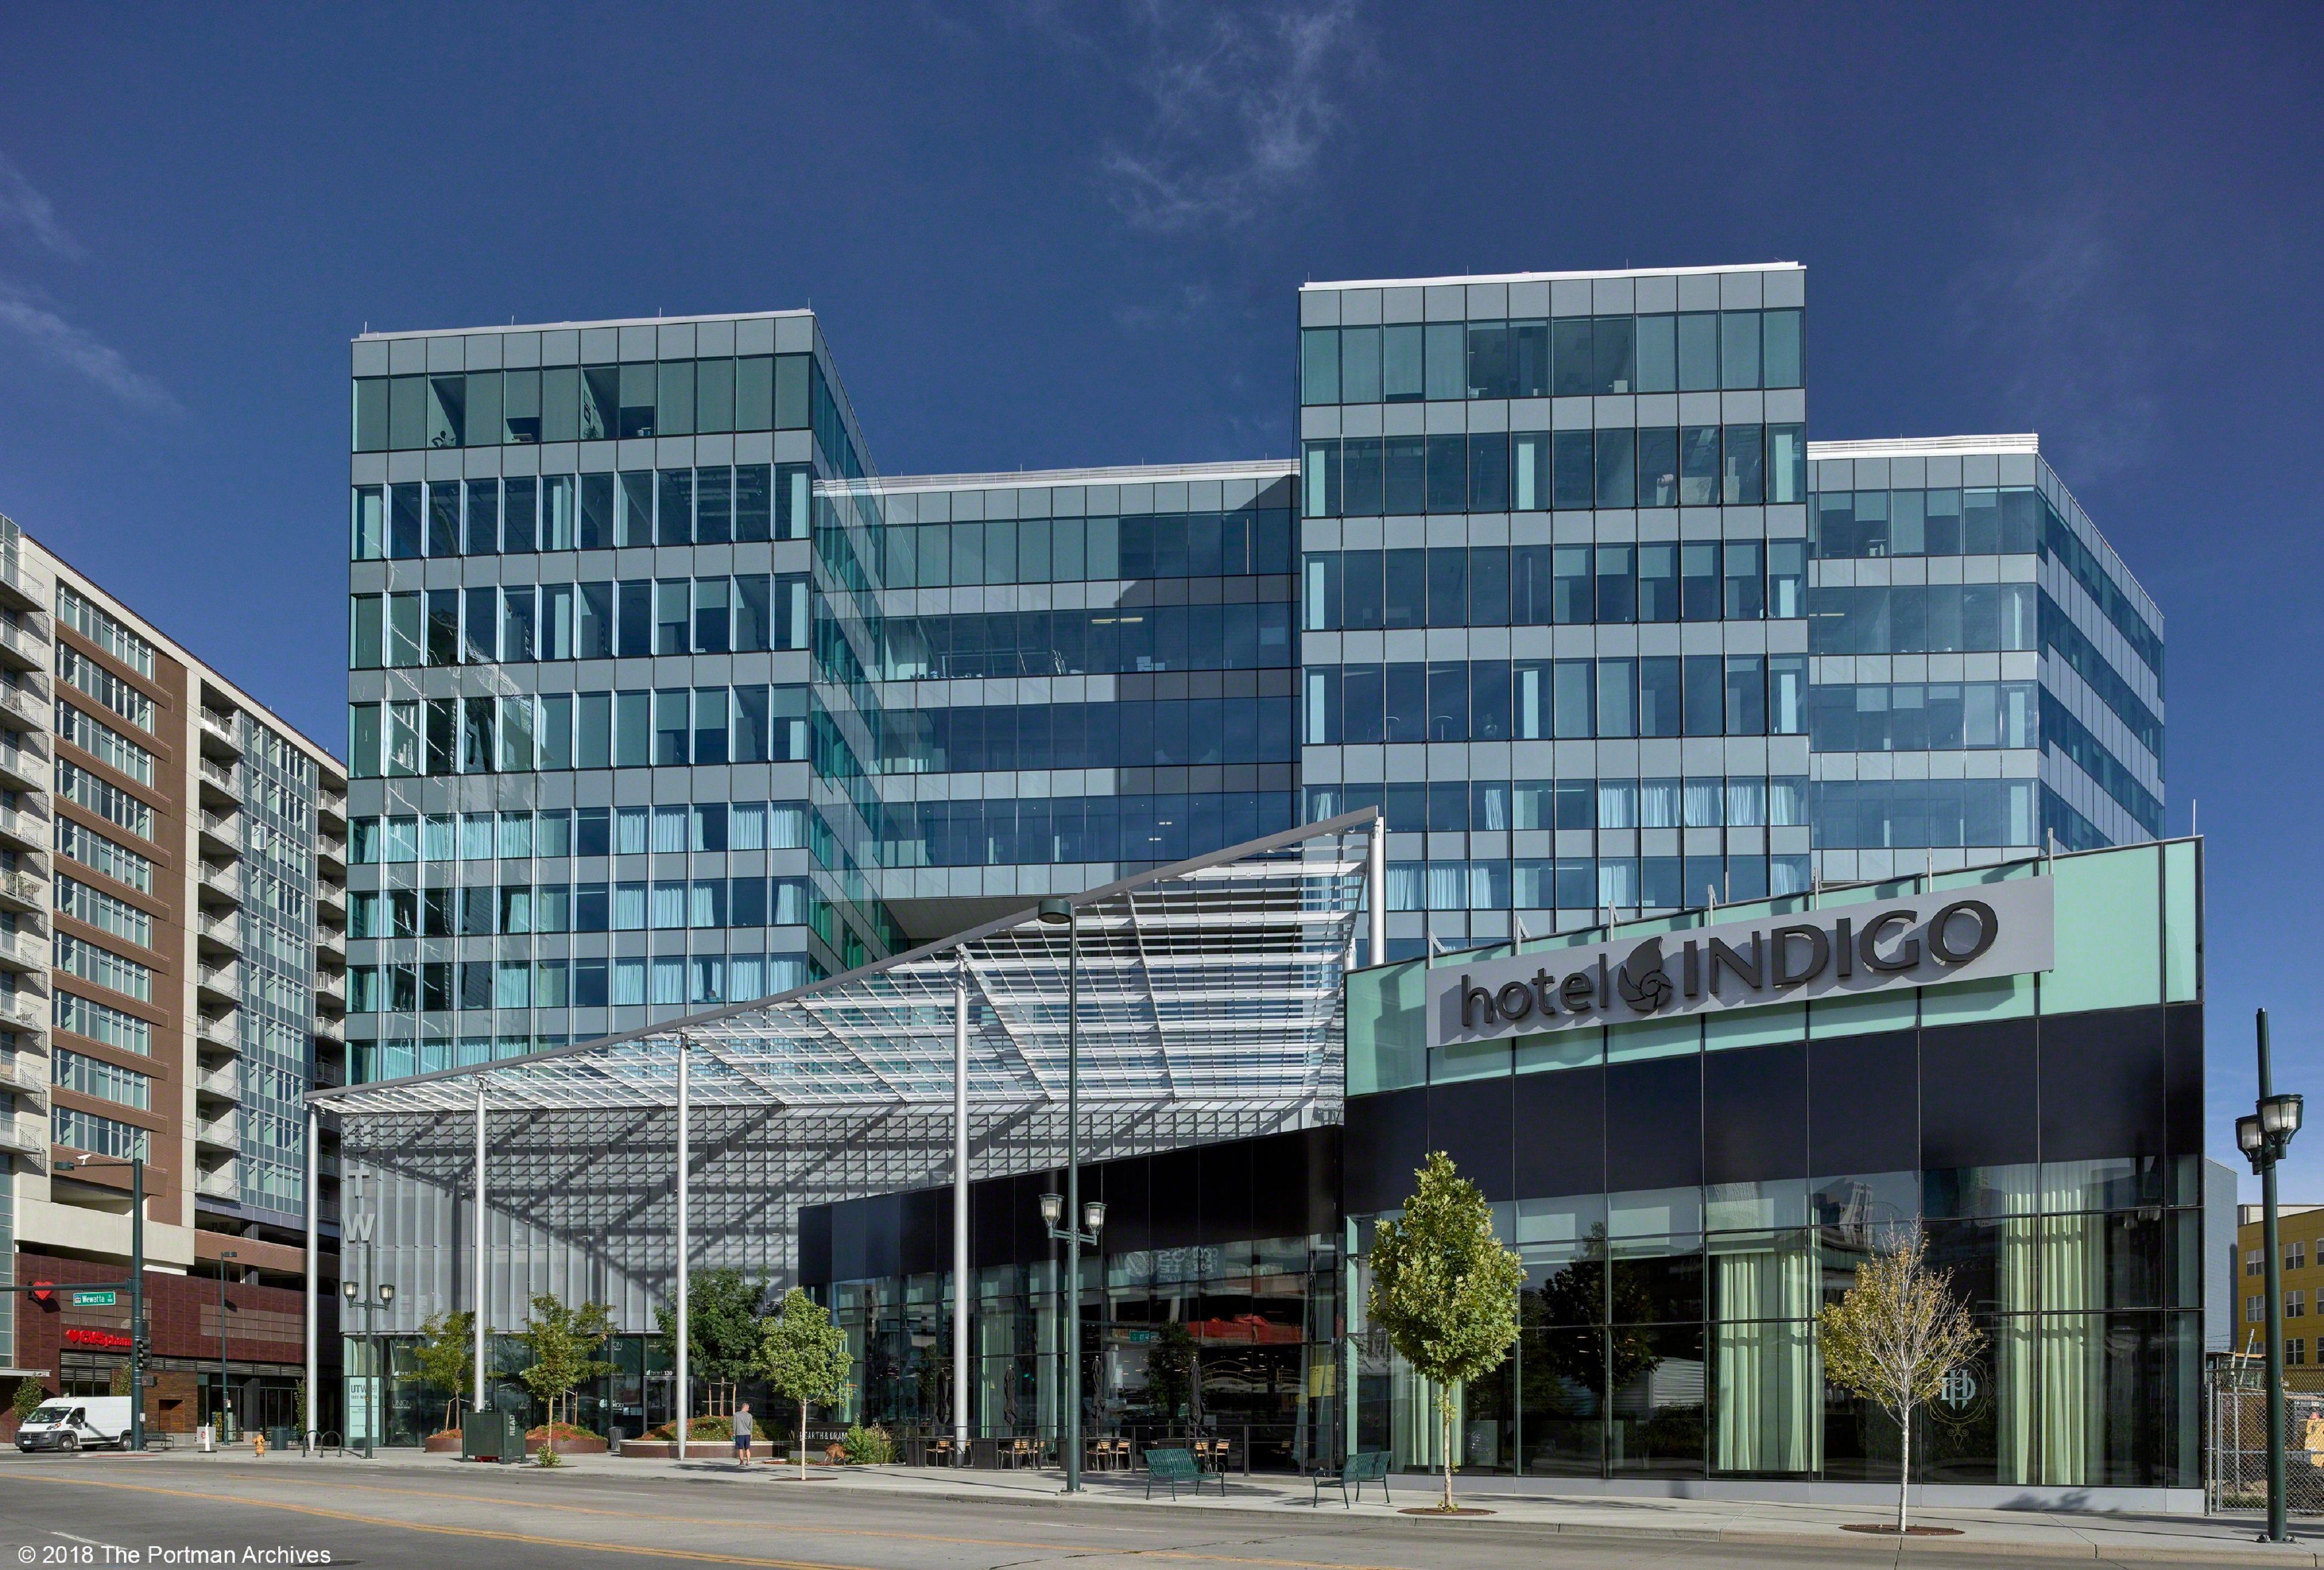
<point>221,1182</point>
<point>224,1081</point>
<point>20,588</point>
<point>219,983</point>
<point>330,949</point>
<point>28,708</point>
<point>221,735</point>
<point>332,852</point>
<point>23,648</point>
<point>23,1012</point>
<point>23,770</point>
<point>221,834</point>
<point>26,1075</point>
<point>329,1030</point>
<point>224,1131</point>
<point>221,782</point>
<point>27,1137</point>
<point>218,1032</point>
<point>331,808</point>
<point>23,891</point>
<point>221,880</point>
<point>24,950</point>
<point>218,933</point>
<point>21,831</point>
<point>331,899</point>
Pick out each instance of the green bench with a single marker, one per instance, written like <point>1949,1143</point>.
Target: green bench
<point>1175,1467</point>
<point>1364,1466</point>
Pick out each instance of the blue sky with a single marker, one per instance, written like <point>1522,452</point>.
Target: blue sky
<point>1064,234</point>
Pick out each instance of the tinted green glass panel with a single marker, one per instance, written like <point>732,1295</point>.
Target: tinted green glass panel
<point>1387,1048</point>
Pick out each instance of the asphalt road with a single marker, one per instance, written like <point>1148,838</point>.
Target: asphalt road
<point>132,1512</point>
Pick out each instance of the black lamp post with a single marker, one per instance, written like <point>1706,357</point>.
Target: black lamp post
<point>385,1293</point>
<point>2264,1135</point>
<point>225,1408</point>
<point>1062,912</point>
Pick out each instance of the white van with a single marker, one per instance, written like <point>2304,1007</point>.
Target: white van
<point>76,1423</point>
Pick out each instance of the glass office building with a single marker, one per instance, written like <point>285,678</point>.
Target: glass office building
<point>661,698</point>
<point>1987,676</point>
<point>610,678</point>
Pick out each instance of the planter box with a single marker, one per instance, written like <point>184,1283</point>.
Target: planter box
<point>441,1444</point>
<point>578,1446</point>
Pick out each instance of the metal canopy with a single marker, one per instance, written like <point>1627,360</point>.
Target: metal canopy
<point>1213,979</point>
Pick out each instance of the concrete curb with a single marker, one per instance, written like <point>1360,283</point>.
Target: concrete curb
<point>2196,1552</point>
<point>1971,1545</point>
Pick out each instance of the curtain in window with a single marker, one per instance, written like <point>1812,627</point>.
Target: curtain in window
<point>1767,1401</point>
<point>2049,1354</point>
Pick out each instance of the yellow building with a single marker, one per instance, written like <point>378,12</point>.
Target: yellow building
<point>2300,1232</point>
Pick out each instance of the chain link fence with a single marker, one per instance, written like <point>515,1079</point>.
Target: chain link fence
<point>2235,1466</point>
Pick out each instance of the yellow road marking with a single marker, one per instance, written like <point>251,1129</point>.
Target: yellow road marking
<point>701,1555</point>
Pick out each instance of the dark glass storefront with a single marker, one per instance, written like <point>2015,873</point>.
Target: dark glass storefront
<point>1686,1193</point>
<point>1211,1303</point>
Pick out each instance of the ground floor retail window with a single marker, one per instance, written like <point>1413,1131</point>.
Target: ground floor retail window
<point>1695,1355</point>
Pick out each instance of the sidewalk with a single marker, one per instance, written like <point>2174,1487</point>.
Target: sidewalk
<point>2025,1533</point>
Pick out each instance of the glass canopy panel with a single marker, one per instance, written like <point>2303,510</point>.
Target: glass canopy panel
<point>1215,981</point>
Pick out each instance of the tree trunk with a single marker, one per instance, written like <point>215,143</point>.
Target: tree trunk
<point>1445,1427</point>
<point>1904,1475</point>
<point>802,1441</point>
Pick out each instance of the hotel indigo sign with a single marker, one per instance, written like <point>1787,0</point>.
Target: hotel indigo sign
<point>1972,933</point>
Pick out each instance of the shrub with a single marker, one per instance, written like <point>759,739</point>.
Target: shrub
<point>562,1431</point>
<point>700,1428</point>
<point>868,1446</point>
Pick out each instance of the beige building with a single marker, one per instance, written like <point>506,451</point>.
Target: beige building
<point>172,980</point>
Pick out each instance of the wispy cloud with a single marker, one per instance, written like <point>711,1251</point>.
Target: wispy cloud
<point>24,209</point>
<point>71,346</point>
<point>28,314</point>
<point>1239,106</point>
<point>2050,310</point>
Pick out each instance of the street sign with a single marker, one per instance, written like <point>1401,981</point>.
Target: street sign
<point>94,1299</point>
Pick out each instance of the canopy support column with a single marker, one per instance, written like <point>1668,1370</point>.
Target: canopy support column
<point>313,1415</point>
<point>684,1404</point>
<point>476,1264</point>
<point>960,1282</point>
<point>1376,889</point>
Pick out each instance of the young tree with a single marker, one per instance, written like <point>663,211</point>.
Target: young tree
<point>1445,1288</point>
<point>30,1394</point>
<point>722,1326</point>
<point>804,1356</point>
<point>445,1355</point>
<point>1894,1335</point>
<point>1173,1372</point>
<point>564,1344</point>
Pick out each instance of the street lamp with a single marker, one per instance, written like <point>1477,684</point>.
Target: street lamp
<point>136,1165</point>
<point>225,1408</point>
<point>1057,912</point>
<point>385,1293</point>
<point>2264,1135</point>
